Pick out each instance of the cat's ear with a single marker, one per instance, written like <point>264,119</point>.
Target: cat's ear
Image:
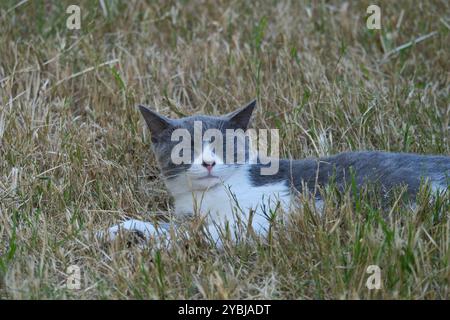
<point>241,117</point>
<point>156,123</point>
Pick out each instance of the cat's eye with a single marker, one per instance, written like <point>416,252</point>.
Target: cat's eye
<point>209,140</point>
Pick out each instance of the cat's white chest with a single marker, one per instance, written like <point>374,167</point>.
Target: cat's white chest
<point>237,195</point>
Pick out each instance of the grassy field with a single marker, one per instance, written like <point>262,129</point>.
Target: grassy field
<point>75,156</point>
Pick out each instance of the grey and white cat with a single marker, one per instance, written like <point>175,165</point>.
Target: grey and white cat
<point>212,187</point>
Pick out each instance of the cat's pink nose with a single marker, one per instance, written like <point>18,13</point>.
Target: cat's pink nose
<point>208,165</point>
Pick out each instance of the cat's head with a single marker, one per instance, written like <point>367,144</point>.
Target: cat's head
<point>196,140</point>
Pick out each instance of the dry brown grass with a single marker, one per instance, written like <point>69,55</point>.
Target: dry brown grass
<point>74,153</point>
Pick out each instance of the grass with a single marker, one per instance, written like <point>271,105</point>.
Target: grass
<point>75,157</point>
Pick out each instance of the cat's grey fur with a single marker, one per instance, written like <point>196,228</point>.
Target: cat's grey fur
<point>386,169</point>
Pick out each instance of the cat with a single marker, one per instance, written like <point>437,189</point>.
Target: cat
<point>220,190</point>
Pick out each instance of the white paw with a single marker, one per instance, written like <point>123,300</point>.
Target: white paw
<point>143,229</point>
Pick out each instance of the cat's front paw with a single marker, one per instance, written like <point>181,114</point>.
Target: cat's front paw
<point>139,230</point>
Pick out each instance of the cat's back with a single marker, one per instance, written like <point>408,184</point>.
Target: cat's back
<point>390,161</point>
<point>387,168</point>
